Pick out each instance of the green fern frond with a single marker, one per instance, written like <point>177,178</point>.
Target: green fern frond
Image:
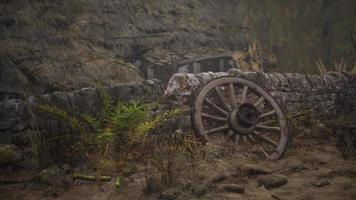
<point>108,111</point>
<point>147,126</point>
<point>92,122</point>
<point>105,136</point>
<point>174,112</point>
<point>128,116</point>
<point>61,114</point>
<point>150,123</point>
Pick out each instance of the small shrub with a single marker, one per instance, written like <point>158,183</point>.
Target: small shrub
<point>120,133</point>
<point>339,66</point>
<point>62,140</point>
<point>171,157</point>
<point>321,66</point>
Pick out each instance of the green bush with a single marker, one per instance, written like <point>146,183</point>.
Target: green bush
<point>119,133</point>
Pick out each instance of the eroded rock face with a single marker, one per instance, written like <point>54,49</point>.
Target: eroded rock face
<point>68,45</point>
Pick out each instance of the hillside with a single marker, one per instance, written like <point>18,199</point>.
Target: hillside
<point>61,45</point>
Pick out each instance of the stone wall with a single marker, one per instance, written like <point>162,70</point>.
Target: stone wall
<point>213,63</point>
<point>16,115</point>
<point>326,95</point>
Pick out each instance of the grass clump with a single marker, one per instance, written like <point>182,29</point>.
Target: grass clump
<point>119,140</point>
<point>171,161</point>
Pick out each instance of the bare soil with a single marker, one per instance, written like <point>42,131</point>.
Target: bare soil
<point>314,167</point>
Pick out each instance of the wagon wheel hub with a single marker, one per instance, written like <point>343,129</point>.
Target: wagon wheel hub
<point>242,111</point>
<point>242,120</point>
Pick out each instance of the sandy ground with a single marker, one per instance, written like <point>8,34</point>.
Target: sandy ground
<point>314,167</point>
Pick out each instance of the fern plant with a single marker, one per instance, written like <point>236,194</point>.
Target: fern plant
<point>60,114</point>
<point>123,127</point>
<point>128,115</point>
<point>108,110</point>
<point>91,122</point>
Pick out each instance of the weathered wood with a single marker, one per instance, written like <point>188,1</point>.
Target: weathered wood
<point>202,122</point>
<point>92,177</point>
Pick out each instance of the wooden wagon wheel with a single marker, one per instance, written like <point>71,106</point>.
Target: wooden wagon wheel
<point>242,111</point>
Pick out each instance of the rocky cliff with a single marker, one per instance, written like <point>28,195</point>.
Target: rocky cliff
<point>65,45</point>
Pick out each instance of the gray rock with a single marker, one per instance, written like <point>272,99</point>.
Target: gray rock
<point>219,177</point>
<point>18,127</point>
<point>234,188</point>
<point>260,193</point>
<point>321,183</point>
<point>6,124</point>
<point>170,194</point>
<point>203,188</point>
<point>21,138</point>
<point>253,170</point>
<point>272,180</point>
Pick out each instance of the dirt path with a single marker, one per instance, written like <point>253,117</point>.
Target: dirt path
<point>313,167</point>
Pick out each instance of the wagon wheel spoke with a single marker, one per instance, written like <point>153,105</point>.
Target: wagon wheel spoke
<point>218,129</point>
<point>267,114</point>
<point>216,107</point>
<point>268,122</point>
<point>232,95</point>
<point>230,135</point>
<point>263,151</point>
<point>259,101</point>
<point>237,138</point>
<point>214,118</point>
<point>268,128</point>
<point>244,139</point>
<point>251,137</point>
<point>244,94</point>
<point>265,138</point>
<point>222,100</point>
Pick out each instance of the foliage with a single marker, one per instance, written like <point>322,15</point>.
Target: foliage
<point>66,141</point>
<point>108,110</point>
<point>339,66</point>
<point>354,69</point>
<point>92,122</point>
<point>119,133</point>
<point>300,32</point>
<point>172,155</point>
<point>129,115</point>
<point>38,148</point>
<point>60,114</point>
